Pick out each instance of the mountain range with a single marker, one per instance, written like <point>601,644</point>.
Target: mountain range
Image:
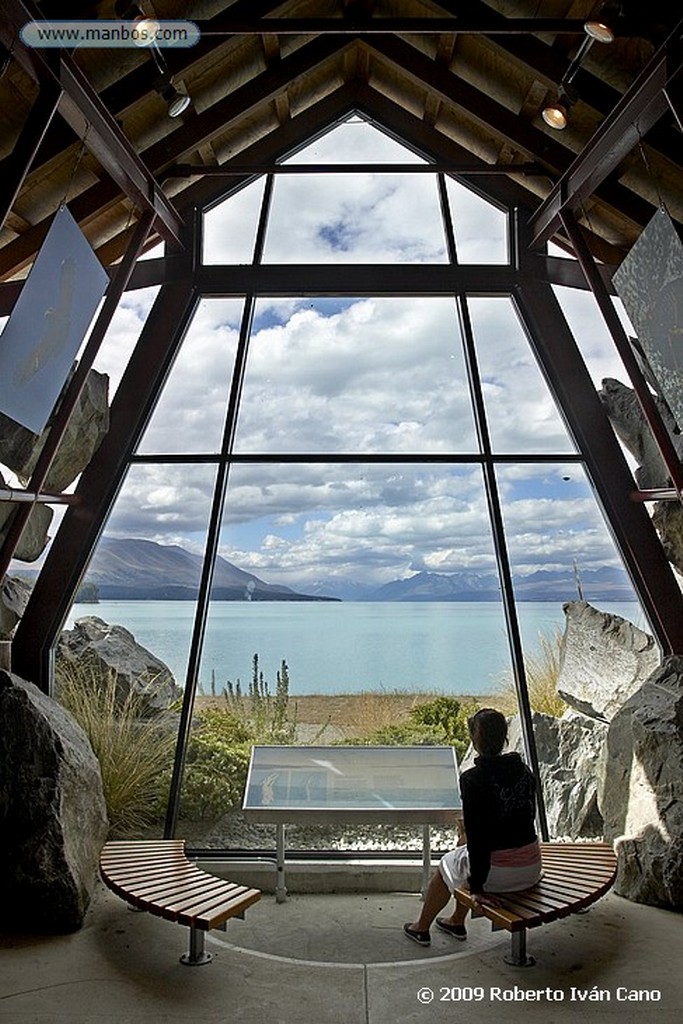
<point>130,570</point>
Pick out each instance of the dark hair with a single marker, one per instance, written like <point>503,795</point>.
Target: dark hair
<point>489,731</point>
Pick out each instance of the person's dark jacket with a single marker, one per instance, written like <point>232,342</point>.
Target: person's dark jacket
<point>499,808</point>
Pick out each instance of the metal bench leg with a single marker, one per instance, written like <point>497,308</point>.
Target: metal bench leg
<point>518,956</point>
<point>196,954</point>
<point>280,854</point>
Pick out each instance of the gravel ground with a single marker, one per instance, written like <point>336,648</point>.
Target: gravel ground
<point>234,832</point>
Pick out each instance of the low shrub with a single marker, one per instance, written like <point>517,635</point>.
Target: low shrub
<point>436,722</point>
<point>216,765</point>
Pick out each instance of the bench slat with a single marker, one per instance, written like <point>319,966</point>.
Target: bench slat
<point>169,893</point>
<point>574,877</point>
<point>213,914</point>
<point>155,875</point>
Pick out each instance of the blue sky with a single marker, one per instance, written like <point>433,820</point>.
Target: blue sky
<point>362,376</point>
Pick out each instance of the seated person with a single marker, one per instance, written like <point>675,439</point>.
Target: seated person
<point>499,851</point>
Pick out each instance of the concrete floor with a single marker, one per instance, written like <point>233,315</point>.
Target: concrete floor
<point>342,959</point>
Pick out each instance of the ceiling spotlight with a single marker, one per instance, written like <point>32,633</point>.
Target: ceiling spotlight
<point>556,114</point>
<point>602,28</point>
<point>600,31</point>
<point>145,31</point>
<point>177,102</point>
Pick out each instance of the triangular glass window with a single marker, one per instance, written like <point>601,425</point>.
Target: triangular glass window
<point>230,227</point>
<point>376,217</point>
<point>481,229</point>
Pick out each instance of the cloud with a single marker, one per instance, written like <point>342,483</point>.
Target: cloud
<point>367,378</point>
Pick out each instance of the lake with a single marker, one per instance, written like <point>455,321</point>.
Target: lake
<point>343,647</point>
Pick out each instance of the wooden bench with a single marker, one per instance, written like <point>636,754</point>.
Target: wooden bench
<point>574,876</point>
<point>155,875</point>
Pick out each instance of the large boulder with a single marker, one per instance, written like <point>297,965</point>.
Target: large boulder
<point>14,595</point>
<point>34,536</point>
<point>569,749</point>
<point>626,415</point>
<point>642,790</point>
<point>89,422</point>
<point>102,649</point>
<point>628,420</point>
<point>52,811</point>
<point>604,660</point>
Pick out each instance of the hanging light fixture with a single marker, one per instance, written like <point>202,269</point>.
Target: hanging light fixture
<point>177,102</point>
<point>556,114</point>
<point>602,27</point>
<point>145,31</point>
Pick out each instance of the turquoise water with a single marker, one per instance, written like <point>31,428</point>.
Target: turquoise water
<point>343,647</point>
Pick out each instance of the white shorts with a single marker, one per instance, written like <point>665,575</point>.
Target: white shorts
<point>455,869</point>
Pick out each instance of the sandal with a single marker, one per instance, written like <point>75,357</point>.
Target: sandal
<point>422,938</point>
<point>458,931</point>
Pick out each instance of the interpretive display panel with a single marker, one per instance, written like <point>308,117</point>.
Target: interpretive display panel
<point>390,784</point>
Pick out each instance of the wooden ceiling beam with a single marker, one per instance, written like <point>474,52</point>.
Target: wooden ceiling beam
<point>550,65</point>
<point>494,117</point>
<point>121,95</point>
<point>84,112</point>
<point>477,25</point>
<point>181,143</point>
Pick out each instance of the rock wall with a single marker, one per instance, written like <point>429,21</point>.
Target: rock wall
<point>642,789</point>
<point>52,812</point>
<point>570,750</point>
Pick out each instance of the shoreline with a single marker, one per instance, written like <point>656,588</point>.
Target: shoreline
<point>356,713</point>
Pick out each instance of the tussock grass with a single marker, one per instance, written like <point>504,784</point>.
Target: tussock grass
<point>134,753</point>
<point>372,710</point>
<point>542,672</point>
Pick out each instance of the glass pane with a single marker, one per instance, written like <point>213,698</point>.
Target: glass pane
<point>393,599</point>
<point>190,413</point>
<point>154,253</point>
<point>355,141</point>
<point>481,229</point>
<point>591,334</point>
<point>559,546</point>
<point>142,578</point>
<point>122,337</point>
<point>521,412</point>
<point>355,218</point>
<point>230,228</point>
<point>370,375</point>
